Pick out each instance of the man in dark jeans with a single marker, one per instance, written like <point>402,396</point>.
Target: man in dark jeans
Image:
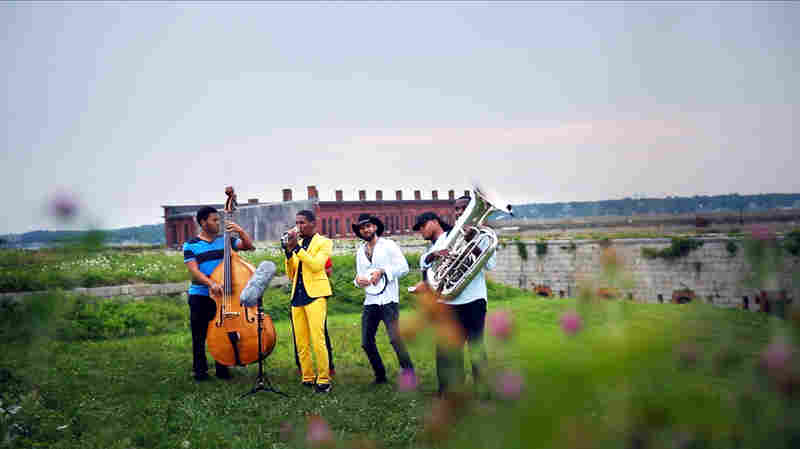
<point>202,255</point>
<point>468,308</point>
<point>379,265</point>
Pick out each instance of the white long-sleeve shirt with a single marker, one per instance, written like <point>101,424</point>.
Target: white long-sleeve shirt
<point>387,256</point>
<point>476,288</point>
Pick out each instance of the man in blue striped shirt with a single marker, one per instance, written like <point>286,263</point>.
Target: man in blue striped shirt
<point>202,255</point>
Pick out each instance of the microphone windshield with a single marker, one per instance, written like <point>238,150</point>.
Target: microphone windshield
<point>257,284</point>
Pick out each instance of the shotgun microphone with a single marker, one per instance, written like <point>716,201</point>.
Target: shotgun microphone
<point>259,282</point>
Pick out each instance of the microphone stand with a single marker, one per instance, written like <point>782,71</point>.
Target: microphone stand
<point>262,381</point>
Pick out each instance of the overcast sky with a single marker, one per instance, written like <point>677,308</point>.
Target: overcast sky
<point>134,106</point>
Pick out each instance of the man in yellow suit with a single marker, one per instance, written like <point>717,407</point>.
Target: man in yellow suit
<point>305,266</point>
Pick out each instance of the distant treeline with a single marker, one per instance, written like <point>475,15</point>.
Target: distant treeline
<point>145,234</point>
<point>699,204</point>
<point>655,206</point>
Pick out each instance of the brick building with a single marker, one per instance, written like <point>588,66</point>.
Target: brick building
<point>267,221</point>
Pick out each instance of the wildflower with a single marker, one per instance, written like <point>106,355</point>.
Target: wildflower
<point>571,323</point>
<point>776,357</point>
<point>762,232</point>
<point>318,431</point>
<point>777,361</point>
<point>185,444</point>
<point>63,205</point>
<point>500,324</point>
<point>407,380</point>
<point>448,332</point>
<point>508,385</point>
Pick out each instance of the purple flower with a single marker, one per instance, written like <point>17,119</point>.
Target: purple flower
<point>407,380</point>
<point>63,205</point>
<point>508,385</point>
<point>762,232</point>
<point>571,323</point>
<point>500,324</point>
<point>776,357</point>
<point>318,431</point>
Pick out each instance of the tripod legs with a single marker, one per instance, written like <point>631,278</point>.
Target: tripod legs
<point>262,381</point>
<point>263,384</point>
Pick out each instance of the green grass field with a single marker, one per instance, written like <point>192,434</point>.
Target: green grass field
<point>79,372</point>
<point>635,375</point>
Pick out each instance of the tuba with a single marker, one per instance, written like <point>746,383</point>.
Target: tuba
<point>470,245</point>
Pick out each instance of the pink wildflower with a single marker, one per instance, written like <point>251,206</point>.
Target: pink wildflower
<point>762,232</point>
<point>776,357</point>
<point>63,205</point>
<point>407,380</point>
<point>318,431</point>
<point>508,385</point>
<point>500,324</point>
<point>571,323</point>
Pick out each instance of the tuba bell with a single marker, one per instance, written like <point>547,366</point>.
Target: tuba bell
<point>470,245</point>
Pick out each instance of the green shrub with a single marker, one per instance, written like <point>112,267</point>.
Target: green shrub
<point>731,247</point>
<point>541,248</point>
<point>791,242</point>
<point>71,317</point>
<point>680,247</point>
<point>522,250</point>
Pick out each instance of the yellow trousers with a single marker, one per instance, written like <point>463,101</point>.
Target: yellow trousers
<point>309,330</point>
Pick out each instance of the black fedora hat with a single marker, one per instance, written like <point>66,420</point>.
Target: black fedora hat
<point>367,218</point>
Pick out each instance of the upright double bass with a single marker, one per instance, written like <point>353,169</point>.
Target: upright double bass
<point>233,333</point>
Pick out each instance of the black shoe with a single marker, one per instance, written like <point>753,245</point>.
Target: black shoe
<point>308,384</point>
<point>224,374</point>
<point>324,388</point>
<point>380,381</point>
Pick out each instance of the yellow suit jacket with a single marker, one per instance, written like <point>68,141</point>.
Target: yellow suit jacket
<point>314,259</point>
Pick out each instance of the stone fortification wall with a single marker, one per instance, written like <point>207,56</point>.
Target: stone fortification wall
<point>710,272</point>
<point>269,222</point>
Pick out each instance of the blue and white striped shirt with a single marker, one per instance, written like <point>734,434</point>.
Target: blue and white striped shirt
<point>208,256</point>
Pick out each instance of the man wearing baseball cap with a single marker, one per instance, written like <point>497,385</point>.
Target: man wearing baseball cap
<point>468,308</point>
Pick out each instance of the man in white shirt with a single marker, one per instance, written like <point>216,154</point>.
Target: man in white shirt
<point>379,265</point>
<point>468,308</point>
